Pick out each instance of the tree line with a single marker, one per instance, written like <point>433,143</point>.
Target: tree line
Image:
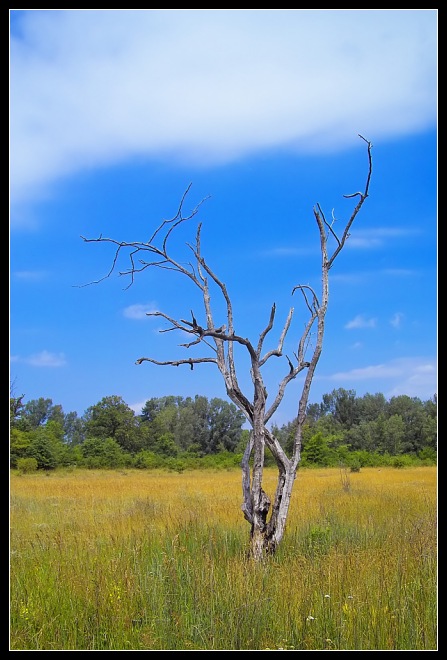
<point>177,433</point>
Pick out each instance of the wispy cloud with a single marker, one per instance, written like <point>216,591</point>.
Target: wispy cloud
<point>361,321</point>
<point>410,376</point>
<point>289,252</point>
<point>416,378</point>
<point>374,238</point>
<point>46,359</point>
<point>139,312</point>
<point>396,320</point>
<point>29,275</point>
<point>360,277</point>
<point>247,80</point>
<point>398,272</point>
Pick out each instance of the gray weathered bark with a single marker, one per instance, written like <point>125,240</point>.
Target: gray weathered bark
<point>266,532</point>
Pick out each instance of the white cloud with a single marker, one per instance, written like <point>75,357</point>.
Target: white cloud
<point>289,252</point>
<point>389,370</point>
<point>361,322</point>
<point>30,275</point>
<point>411,376</point>
<point>138,311</point>
<point>374,238</point>
<point>93,87</point>
<point>396,319</point>
<point>138,407</point>
<point>371,275</point>
<point>47,359</point>
<point>398,272</point>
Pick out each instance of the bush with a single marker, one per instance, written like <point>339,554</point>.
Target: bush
<point>26,465</point>
<point>402,461</point>
<point>428,456</point>
<point>222,461</point>
<point>146,459</point>
<point>317,541</point>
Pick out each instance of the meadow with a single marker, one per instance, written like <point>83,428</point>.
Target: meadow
<point>152,560</point>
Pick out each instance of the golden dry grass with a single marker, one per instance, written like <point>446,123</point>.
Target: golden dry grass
<point>93,552</point>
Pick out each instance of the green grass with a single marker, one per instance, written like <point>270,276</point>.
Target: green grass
<point>157,561</point>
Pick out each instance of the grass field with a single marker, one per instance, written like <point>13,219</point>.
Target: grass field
<point>143,560</point>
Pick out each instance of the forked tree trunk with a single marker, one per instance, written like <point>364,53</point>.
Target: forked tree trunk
<point>266,531</point>
<point>266,534</point>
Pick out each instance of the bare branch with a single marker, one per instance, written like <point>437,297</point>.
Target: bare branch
<point>175,324</point>
<point>114,261</point>
<point>363,195</point>
<point>329,226</point>
<point>177,219</point>
<point>164,260</point>
<point>266,330</point>
<point>230,324</point>
<point>176,363</point>
<point>315,304</point>
<point>278,351</point>
<point>199,340</point>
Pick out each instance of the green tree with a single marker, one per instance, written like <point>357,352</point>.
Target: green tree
<point>46,445</point>
<point>163,422</point>
<point>317,451</point>
<point>36,413</point>
<point>196,425</point>
<point>200,423</point>
<point>413,414</point>
<point>154,406</point>
<point>103,453</point>
<point>393,434</point>
<point>72,456</point>
<point>19,443</point>
<point>165,445</point>
<point>314,412</point>
<point>112,418</point>
<point>429,432</point>
<point>74,429</point>
<point>430,426</point>
<point>225,426</point>
<point>16,407</point>
<point>365,436</point>
<point>191,422</point>
<point>341,404</point>
<point>325,425</point>
<point>371,406</point>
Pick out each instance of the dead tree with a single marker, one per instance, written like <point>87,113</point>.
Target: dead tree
<point>219,342</point>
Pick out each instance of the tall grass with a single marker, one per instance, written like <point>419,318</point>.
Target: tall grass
<point>157,561</point>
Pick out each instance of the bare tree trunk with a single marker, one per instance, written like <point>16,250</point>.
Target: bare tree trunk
<point>266,532</point>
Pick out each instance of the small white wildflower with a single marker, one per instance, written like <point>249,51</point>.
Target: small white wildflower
<point>310,618</point>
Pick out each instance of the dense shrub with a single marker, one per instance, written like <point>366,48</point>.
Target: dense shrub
<point>26,465</point>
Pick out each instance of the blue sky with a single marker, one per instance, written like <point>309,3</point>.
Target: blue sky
<point>114,113</point>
